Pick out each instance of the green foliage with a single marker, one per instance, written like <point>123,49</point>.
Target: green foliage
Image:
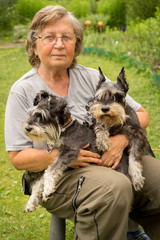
<point>13,11</point>
<point>146,37</point>
<point>26,9</point>
<point>140,41</point>
<point>103,6</point>
<point>93,6</point>
<point>141,9</point>
<point>7,14</point>
<point>79,8</point>
<point>117,12</point>
<point>116,9</point>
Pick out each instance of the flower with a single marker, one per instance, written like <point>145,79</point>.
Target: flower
<point>123,28</point>
<point>87,23</point>
<point>100,24</point>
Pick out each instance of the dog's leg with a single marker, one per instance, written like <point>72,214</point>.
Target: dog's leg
<point>135,169</point>
<point>56,169</point>
<point>49,182</point>
<point>33,201</point>
<point>102,138</point>
<point>51,176</point>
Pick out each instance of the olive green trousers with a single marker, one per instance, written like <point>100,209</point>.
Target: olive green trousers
<point>100,201</point>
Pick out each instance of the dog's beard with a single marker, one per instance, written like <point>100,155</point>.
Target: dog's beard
<point>113,117</point>
<point>49,133</point>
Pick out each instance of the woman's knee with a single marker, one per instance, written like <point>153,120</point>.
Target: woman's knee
<point>122,190</point>
<point>107,186</point>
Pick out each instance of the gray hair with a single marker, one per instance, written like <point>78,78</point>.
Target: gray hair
<point>42,18</point>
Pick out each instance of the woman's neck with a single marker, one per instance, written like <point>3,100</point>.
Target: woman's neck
<point>57,80</point>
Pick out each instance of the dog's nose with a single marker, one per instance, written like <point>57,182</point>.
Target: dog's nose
<point>105,109</point>
<point>28,129</point>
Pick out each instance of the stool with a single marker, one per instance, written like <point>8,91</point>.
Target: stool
<point>57,228</point>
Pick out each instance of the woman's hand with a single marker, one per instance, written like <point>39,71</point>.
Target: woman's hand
<point>113,155</point>
<point>86,158</point>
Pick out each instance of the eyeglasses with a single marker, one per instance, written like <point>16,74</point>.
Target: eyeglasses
<point>49,39</point>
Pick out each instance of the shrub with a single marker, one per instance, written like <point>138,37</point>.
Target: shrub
<point>26,9</point>
<point>146,37</point>
<point>141,9</point>
<point>103,6</point>
<point>140,41</point>
<point>79,8</point>
<point>7,16</point>
<point>92,6</point>
<point>117,12</point>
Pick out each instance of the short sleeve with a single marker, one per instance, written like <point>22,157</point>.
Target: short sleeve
<point>15,115</point>
<point>132,103</point>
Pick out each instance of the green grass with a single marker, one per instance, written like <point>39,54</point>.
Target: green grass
<point>14,224</point>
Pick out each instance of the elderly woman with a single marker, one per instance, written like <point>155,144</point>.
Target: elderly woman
<point>106,197</point>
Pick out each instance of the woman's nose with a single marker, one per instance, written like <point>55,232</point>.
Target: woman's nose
<point>59,42</point>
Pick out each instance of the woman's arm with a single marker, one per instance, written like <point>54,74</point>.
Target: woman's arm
<point>143,117</point>
<point>36,160</point>
<point>31,159</point>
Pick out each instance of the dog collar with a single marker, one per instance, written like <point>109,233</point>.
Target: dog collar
<point>49,148</point>
<point>67,123</point>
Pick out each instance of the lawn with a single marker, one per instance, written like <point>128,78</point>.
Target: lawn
<point>14,224</point>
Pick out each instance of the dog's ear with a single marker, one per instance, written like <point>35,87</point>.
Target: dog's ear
<point>40,96</point>
<point>101,78</point>
<point>121,79</point>
<point>59,109</point>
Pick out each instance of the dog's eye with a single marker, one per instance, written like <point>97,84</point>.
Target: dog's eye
<point>110,96</point>
<point>119,97</point>
<point>39,116</point>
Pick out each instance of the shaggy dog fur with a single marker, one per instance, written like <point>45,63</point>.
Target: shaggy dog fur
<point>114,116</point>
<point>50,120</point>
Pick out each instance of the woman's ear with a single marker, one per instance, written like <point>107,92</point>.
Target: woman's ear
<point>35,51</point>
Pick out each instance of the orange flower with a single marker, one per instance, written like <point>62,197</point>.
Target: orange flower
<point>87,23</point>
<point>100,23</point>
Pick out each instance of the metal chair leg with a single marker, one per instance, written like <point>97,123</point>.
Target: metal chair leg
<point>57,228</point>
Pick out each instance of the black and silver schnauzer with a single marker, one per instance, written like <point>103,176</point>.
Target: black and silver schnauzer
<point>114,116</point>
<point>50,120</point>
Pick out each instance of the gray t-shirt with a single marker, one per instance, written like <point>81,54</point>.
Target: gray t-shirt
<point>82,86</point>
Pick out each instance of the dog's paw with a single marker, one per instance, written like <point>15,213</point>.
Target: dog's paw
<point>29,208</point>
<point>135,172</point>
<point>47,195</point>
<point>102,146</point>
<point>138,183</point>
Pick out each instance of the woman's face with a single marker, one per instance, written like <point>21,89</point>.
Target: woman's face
<point>61,53</point>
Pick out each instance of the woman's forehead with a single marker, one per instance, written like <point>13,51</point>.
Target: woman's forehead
<point>63,25</point>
